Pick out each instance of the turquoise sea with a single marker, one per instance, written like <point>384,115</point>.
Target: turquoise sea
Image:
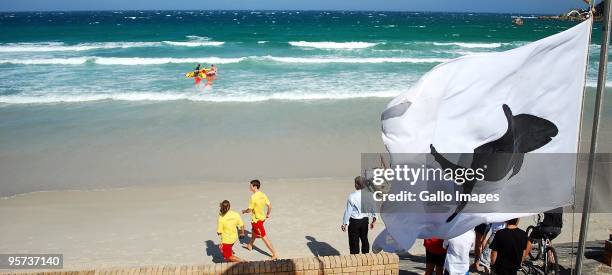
<point>262,55</point>
<point>98,99</point>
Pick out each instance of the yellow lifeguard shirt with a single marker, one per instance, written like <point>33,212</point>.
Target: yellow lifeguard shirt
<point>257,204</point>
<point>227,225</point>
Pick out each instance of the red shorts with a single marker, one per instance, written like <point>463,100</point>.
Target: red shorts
<point>258,229</point>
<point>227,251</point>
<point>198,80</point>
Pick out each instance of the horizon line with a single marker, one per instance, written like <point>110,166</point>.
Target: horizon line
<point>275,10</point>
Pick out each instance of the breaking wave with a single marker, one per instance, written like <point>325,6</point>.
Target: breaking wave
<point>470,45</point>
<point>158,61</point>
<point>311,60</point>
<point>333,45</point>
<point>194,43</point>
<point>49,98</point>
<point>62,47</point>
<point>127,61</point>
<point>47,61</point>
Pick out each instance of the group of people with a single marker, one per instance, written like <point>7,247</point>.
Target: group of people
<point>505,250</point>
<point>229,221</point>
<point>355,222</point>
<point>209,73</point>
<point>501,253</point>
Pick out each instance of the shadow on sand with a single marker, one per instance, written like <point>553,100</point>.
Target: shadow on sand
<point>320,248</point>
<point>239,268</point>
<point>245,240</point>
<point>213,251</point>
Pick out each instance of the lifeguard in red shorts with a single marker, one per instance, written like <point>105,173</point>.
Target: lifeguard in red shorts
<point>227,224</point>
<point>257,205</point>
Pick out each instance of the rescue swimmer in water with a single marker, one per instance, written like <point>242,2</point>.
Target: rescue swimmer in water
<point>198,74</point>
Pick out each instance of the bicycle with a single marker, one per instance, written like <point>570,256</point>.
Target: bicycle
<point>527,268</point>
<point>541,249</point>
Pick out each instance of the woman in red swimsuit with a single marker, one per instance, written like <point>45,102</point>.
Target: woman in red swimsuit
<point>211,74</point>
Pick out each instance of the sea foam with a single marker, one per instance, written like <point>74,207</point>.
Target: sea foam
<point>61,47</point>
<point>47,61</point>
<point>127,61</point>
<point>194,43</point>
<point>470,45</point>
<point>333,45</point>
<point>356,60</point>
<point>50,97</point>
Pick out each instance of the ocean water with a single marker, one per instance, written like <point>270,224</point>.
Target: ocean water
<point>92,100</point>
<point>262,55</point>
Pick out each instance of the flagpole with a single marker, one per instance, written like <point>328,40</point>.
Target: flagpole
<point>601,86</point>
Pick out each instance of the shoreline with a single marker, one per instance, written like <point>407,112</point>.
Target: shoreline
<point>113,144</point>
<point>160,185</point>
<point>120,144</point>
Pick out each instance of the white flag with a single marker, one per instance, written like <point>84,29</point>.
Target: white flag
<point>521,102</point>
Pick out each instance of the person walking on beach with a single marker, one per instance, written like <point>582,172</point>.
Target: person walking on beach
<point>356,220</point>
<point>259,201</point>
<point>509,248</point>
<point>435,255</point>
<point>457,261</point>
<point>485,255</point>
<point>227,224</point>
<point>481,234</point>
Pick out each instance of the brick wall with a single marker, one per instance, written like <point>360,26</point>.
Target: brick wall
<point>381,263</point>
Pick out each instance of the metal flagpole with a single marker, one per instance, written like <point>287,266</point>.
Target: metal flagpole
<point>601,86</point>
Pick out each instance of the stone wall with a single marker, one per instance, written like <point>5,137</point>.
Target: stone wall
<point>381,263</point>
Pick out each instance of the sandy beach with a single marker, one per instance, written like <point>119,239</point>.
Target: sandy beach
<point>167,224</point>
<point>175,224</point>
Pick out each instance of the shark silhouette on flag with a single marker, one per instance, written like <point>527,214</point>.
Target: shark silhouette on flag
<point>525,133</point>
<point>516,112</point>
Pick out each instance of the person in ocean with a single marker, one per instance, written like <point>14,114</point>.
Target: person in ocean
<point>196,75</point>
<point>227,224</point>
<point>211,75</point>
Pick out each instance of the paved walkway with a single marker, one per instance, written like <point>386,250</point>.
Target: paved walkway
<point>415,264</point>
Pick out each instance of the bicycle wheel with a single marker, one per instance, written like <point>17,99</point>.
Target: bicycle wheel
<point>527,269</point>
<point>551,266</point>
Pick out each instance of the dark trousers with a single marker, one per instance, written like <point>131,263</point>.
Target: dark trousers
<point>358,230</point>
